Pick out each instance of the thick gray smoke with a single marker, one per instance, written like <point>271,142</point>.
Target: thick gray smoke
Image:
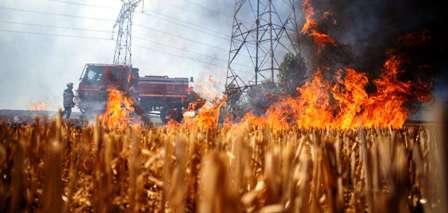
<point>364,34</point>
<point>366,31</point>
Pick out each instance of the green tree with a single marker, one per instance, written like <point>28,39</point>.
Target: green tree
<point>292,73</point>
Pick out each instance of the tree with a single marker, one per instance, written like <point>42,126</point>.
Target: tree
<point>292,73</point>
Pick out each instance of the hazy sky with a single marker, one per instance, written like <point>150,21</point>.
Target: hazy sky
<point>41,49</point>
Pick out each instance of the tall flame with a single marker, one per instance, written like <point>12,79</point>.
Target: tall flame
<point>308,11</point>
<point>344,104</point>
<point>207,117</point>
<point>310,27</point>
<point>340,104</point>
<point>118,110</point>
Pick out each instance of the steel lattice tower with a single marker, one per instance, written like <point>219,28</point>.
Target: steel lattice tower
<point>263,32</point>
<point>123,54</point>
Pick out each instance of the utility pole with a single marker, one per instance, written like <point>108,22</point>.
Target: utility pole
<point>262,33</point>
<point>123,24</point>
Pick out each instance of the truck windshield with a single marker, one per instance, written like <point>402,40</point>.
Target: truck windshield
<point>93,74</point>
<point>108,74</point>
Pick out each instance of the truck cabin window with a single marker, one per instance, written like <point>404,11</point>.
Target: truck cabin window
<point>96,74</point>
<point>93,74</point>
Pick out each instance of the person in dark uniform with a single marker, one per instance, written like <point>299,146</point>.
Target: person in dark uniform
<point>68,100</point>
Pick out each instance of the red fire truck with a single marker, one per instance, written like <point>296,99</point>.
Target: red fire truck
<point>169,96</point>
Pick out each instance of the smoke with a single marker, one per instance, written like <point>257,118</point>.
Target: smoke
<point>209,85</point>
<point>36,68</point>
<point>366,32</point>
<point>363,34</point>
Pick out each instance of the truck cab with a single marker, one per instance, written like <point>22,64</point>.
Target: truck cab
<point>97,78</point>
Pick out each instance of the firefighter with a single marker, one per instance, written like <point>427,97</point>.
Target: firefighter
<point>68,100</point>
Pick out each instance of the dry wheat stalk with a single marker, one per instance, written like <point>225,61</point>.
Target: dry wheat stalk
<point>53,166</point>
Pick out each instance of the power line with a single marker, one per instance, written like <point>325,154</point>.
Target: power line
<point>84,4</point>
<point>187,24</point>
<point>55,26</point>
<point>85,17</point>
<point>108,31</point>
<point>108,39</point>
<point>84,29</point>
<point>165,17</point>
<point>55,14</point>
<point>182,50</point>
<point>199,7</point>
<point>180,37</point>
<point>54,34</point>
<point>102,38</point>
<point>202,6</point>
<point>176,55</point>
<point>168,45</point>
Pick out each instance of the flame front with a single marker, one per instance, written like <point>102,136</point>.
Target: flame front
<point>38,106</point>
<point>118,110</point>
<point>207,117</point>
<point>344,104</point>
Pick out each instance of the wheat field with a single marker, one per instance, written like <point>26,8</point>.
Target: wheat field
<point>54,166</point>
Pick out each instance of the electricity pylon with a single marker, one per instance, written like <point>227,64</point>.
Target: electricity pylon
<point>262,33</point>
<point>123,24</point>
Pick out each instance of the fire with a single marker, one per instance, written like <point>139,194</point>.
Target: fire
<point>208,87</point>
<point>310,27</point>
<point>38,106</point>
<point>118,110</point>
<point>321,39</point>
<point>308,10</point>
<point>341,104</point>
<point>207,116</point>
<point>344,104</point>
<point>386,107</point>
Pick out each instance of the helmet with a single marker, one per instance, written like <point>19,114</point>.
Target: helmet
<point>70,85</point>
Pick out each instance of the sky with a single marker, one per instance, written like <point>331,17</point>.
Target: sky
<point>44,44</point>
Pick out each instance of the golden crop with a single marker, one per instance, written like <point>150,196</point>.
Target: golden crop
<point>51,166</point>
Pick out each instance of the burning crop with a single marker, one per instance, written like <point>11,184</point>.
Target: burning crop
<point>346,104</point>
<point>240,168</point>
<point>342,143</point>
<point>118,109</point>
<point>299,157</point>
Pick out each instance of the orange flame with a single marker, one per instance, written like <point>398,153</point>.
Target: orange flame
<point>309,27</point>
<point>345,104</point>
<point>38,106</point>
<point>308,10</point>
<point>386,107</point>
<point>118,110</point>
<point>342,104</point>
<point>207,117</point>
